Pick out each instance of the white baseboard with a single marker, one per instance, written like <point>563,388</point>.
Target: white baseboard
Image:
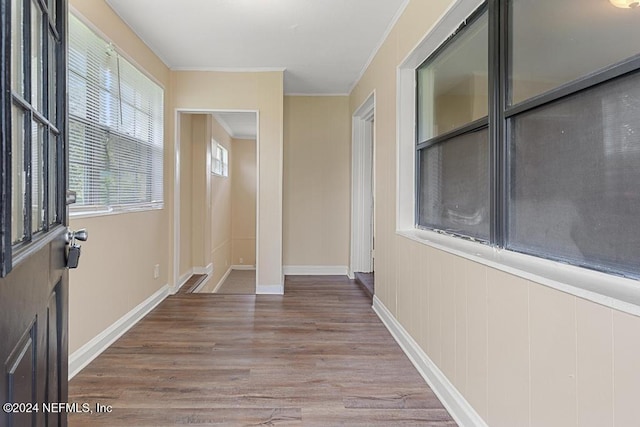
<point>221,281</point>
<point>243,267</point>
<point>270,289</point>
<point>85,354</point>
<point>461,411</point>
<point>203,270</point>
<point>315,270</point>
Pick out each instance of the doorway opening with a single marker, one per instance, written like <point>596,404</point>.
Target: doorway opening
<point>362,264</point>
<point>216,206</point>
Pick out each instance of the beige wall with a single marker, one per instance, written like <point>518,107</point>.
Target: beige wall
<point>207,203</point>
<point>116,268</point>
<point>317,180</point>
<point>522,354</point>
<point>243,174</point>
<point>249,91</point>
<point>186,192</point>
<point>220,218</point>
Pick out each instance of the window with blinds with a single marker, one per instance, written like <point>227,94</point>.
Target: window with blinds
<point>115,128</point>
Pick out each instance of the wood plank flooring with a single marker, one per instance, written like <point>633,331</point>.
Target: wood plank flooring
<point>239,282</point>
<point>318,356</point>
<point>367,281</point>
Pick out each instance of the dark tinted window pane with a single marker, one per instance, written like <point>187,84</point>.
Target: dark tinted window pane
<point>454,185</point>
<point>576,174</point>
<point>453,87</point>
<point>555,42</point>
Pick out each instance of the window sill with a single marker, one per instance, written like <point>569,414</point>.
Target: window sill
<point>96,212</point>
<point>615,292</point>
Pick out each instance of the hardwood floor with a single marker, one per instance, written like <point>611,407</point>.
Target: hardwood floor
<point>367,281</point>
<point>318,356</point>
<point>239,282</point>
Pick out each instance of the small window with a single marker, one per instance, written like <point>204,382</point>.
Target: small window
<point>219,159</point>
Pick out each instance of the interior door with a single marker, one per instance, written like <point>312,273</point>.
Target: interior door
<point>33,213</point>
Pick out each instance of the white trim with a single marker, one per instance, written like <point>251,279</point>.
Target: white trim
<point>203,270</point>
<point>461,411</point>
<point>455,14</point>
<point>315,270</point>
<point>85,354</point>
<point>446,25</point>
<point>362,199</point>
<point>73,10</point>
<point>132,28</point>
<point>221,281</point>
<point>224,125</point>
<point>384,37</point>
<point>176,200</point>
<point>258,189</point>
<point>111,210</point>
<point>232,69</point>
<point>176,188</point>
<point>315,94</point>
<point>615,292</point>
<point>243,267</point>
<point>270,289</point>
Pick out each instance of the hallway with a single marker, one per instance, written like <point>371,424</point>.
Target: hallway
<point>317,356</point>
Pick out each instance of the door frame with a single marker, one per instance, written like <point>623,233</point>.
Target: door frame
<point>362,192</point>
<point>177,196</point>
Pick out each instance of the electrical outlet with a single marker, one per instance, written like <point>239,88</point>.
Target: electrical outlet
<point>156,271</point>
<point>241,260</point>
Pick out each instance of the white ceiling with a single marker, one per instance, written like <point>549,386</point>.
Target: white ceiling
<point>239,125</point>
<point>324,45</point>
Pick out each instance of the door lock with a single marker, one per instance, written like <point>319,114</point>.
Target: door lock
<point>73,253</point>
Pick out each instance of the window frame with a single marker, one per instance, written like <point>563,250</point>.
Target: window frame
<point>468,128</point>
<point>47,114</point>
<point>94,210</point>
<point>614,289</point>
<point>222,161</point>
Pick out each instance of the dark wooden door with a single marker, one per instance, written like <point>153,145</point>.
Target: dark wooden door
<point>33,213</point>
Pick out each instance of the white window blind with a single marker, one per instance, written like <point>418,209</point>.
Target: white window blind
<point>115,128</point>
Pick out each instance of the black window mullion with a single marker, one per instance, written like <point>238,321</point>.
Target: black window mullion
<point>47,114</point>
<point>584,83</point>
<point>497,131</point>
<point>28,126</point>
<point>61,111</point>
<point>468,128</point>
<point>5,142</point>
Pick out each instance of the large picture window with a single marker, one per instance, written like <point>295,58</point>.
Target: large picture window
<point>553,170</point>
<point>115,128</point>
